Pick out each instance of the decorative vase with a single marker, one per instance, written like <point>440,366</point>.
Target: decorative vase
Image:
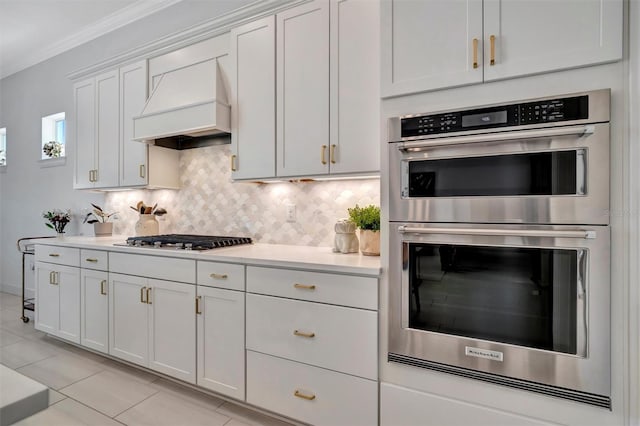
<point>345,240</point>
<point>147,225</point>
<point>103,229</point>
<point>370,242</point>
<point>60,234</point>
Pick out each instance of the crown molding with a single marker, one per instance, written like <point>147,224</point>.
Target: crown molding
<point>109,23</point>
<point>190,35</point>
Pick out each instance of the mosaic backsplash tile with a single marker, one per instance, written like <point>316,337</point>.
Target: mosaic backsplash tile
<point>209,203</point>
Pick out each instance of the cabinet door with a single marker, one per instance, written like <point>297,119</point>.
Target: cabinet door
<point>302,41</point>
<point>221,341</point>
<point>575,33</point>
<point>47,299</point>
<point>172,329</point>
<point>85,132</point>
<point>355,83</point>
<point>128,318</point>
<point>253,99</point>
<point>68,279</point>
<point>428,44</point>
<point>94,310</point>
<point>133,95</point>
<point>107,129</point>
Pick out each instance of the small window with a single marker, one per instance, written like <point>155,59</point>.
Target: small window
<point>53,136</point>
<point>3,146</point>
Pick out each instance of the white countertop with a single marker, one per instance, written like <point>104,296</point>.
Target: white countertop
<point>20,396</point>
<point>280,255</point>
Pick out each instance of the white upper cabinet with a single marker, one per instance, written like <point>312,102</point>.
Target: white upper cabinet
<point>85,132</point>
<point>133,94</point>
<point>302,54</point>
<point>253,117</point>
<point>434,44</point>
<point>355,86</point>
<point>429,44</point>
<point>537,36</point>
<point>107,134</point>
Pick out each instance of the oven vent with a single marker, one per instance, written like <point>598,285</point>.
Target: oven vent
<point>585,398</point>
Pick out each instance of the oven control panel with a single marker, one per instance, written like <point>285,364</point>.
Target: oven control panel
<point>545,111</point>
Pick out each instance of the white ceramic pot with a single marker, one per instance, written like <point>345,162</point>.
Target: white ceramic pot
<point>147,225</point>
<point>103,229</point>
<point>370,242</point>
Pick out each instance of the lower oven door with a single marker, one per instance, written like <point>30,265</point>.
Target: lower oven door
<point>525,306</point>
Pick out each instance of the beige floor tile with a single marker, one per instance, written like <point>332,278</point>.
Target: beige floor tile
<point>170,410</point>
<point>68,413</point>
<point>21,329</point>
<point>248,416</point>
<point>193,396</point>
<point>109,392</point>
<point>75,350</point>
<point>9,301</point>
<point>55,397</point>
<point>132,372</point>
<point>234,422</point>
<point>24,353</point>
<point>7,338</point>
<point>61,370</point>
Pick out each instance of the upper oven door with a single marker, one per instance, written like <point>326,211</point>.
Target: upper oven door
<point>557,175</point>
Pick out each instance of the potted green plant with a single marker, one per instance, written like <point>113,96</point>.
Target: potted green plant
<point>100,220</point>
<point>367,219</point>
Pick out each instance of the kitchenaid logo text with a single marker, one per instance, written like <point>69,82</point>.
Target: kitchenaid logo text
<point>483,353</point>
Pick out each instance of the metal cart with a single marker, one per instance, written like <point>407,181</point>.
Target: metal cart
<point>27,249</point>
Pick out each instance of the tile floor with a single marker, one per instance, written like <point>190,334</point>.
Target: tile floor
<point>87,389</point>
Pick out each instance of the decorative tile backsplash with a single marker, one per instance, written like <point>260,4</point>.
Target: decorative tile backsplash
<point>209,203</point>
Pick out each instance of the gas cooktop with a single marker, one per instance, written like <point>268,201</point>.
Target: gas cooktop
<point>185,241</point>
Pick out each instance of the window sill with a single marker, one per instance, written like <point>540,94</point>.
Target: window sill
<point>53,162</point>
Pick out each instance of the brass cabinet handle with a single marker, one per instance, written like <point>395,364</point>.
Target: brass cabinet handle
<point>102,290</point>
<point>303,334</point>
<point>219,276</point>
<point>54,255</point>
<point>475,53</point>
<point>304,396</point>
<point>233,163</point>
<point>323,151</point>
<point>91,176</point>
<point>305,286</point>
<point>492,40</point>
<point>142,295</point>
<point>332,154</point>
<point>92,260</point>
<point>95,175</point>
<point>51,277</point>
<point>149,296</point>
<point>142,171</point>
<point>198,311</point>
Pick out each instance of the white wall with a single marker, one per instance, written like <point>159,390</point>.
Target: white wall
<point>26,189</point>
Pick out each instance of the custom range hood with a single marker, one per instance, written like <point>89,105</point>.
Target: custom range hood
<point>188,108</point>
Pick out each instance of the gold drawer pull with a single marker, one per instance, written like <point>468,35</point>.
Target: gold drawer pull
<point>305,286</point>
<point>219,276</point>
<point>102,290</point>
<point>303,396</point>
<point>142,171</point>
<point>332,154</point>
<point>92,260</point>
<point>303,334</point>
<point>142,294</point>
<point>492,41</point>
<point>54,255</point>
<point>149,296</point>
<point>475,53</point>
<point>323,151</point>
<point>198,311</point>
<point>233,163</point>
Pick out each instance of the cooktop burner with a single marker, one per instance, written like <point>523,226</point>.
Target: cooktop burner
<point>186,242</point>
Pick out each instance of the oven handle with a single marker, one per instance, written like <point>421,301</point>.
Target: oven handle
<point>499,137</point>
<point>500,232</point>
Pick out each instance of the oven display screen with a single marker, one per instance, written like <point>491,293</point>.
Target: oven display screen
<point>484,119</point>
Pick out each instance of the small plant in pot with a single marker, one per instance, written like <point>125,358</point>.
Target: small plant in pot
<point>100,220</point>
<point>367,219</point>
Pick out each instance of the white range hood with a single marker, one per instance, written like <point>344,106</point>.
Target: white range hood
<point>189,101</point>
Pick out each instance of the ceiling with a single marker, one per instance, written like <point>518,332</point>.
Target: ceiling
<point>32,31</point>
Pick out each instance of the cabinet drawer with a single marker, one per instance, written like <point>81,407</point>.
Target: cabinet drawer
<point>222,275</point>
<point>310,394</point>
<point>94,259</point>
<point>342,339</point>
<point>60,255</point>
<point>346,290</point>
<point>164,268</point>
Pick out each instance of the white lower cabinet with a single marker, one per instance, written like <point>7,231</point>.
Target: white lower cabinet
<point>94,310</point>
<point>151,323</point>
<point>220,324</point>
<point>58,300</point>
<point>310,394</point>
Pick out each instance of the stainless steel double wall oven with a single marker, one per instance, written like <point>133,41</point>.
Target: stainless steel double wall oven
<point>499,244</point>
